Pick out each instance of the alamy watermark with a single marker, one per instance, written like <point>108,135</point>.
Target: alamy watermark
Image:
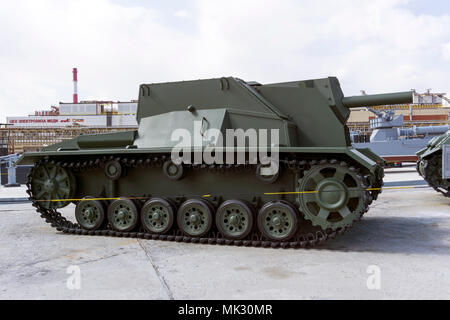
<point>374,280</point>
<point>237,147</point>
<point>74,280</point>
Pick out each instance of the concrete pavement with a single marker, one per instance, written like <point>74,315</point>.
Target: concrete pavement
<point>405,235</point>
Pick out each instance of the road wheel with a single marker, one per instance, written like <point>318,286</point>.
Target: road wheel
<point>195,217</point>
<point>123,215</point>
<point>234,219</point>
<point>278,221</point>
<point>157,215</point>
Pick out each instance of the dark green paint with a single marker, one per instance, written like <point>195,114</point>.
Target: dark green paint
<point>430,163</point>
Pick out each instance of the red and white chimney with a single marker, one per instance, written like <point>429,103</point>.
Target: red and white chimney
<point>75,85</point>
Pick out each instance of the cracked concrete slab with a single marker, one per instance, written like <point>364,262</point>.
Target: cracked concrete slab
<point>34,261</point>
<point>406,234</point>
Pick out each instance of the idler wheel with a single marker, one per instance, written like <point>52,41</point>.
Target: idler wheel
<point>90,214</point>
<point>278,221</point>
<point>173,171</point>
<point>51,185</point>
<point>234,219</point>
<point>113,170</point>
<point>123,215</point>
<point>157,215</point>
<point>195,217</point>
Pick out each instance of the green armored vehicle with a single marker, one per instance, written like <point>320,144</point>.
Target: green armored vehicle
<point>434,163</point>
<point>309,186</point>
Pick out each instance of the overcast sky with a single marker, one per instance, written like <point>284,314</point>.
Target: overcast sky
<point>375,45</point>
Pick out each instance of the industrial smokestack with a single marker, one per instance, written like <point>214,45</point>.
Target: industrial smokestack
<point>75,85</point>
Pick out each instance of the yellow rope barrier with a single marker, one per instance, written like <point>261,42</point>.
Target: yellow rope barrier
<point>209,195</point>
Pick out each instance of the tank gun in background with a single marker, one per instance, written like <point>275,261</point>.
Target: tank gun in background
<point>386,115</point>
<point>391,140</point>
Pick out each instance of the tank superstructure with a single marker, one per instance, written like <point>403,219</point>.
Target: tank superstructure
<point>129,184</point>
<point>434,163</point>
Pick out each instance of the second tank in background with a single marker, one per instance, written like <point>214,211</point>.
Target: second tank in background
<point>394,143</point>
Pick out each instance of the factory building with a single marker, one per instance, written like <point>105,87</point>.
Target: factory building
<point>98,114</point>
<point>69,120</point>
<point>66,121</point>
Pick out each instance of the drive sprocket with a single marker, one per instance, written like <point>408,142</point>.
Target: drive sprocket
<point>332,195</point>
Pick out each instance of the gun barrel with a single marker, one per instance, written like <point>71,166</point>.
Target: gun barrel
<point>378,99</point>
<point>430,130</point>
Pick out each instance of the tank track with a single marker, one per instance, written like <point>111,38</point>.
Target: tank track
<point>255,239</point>
<point>432,174</point>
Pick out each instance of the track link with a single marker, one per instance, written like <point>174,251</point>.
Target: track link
<point>433,174</point>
